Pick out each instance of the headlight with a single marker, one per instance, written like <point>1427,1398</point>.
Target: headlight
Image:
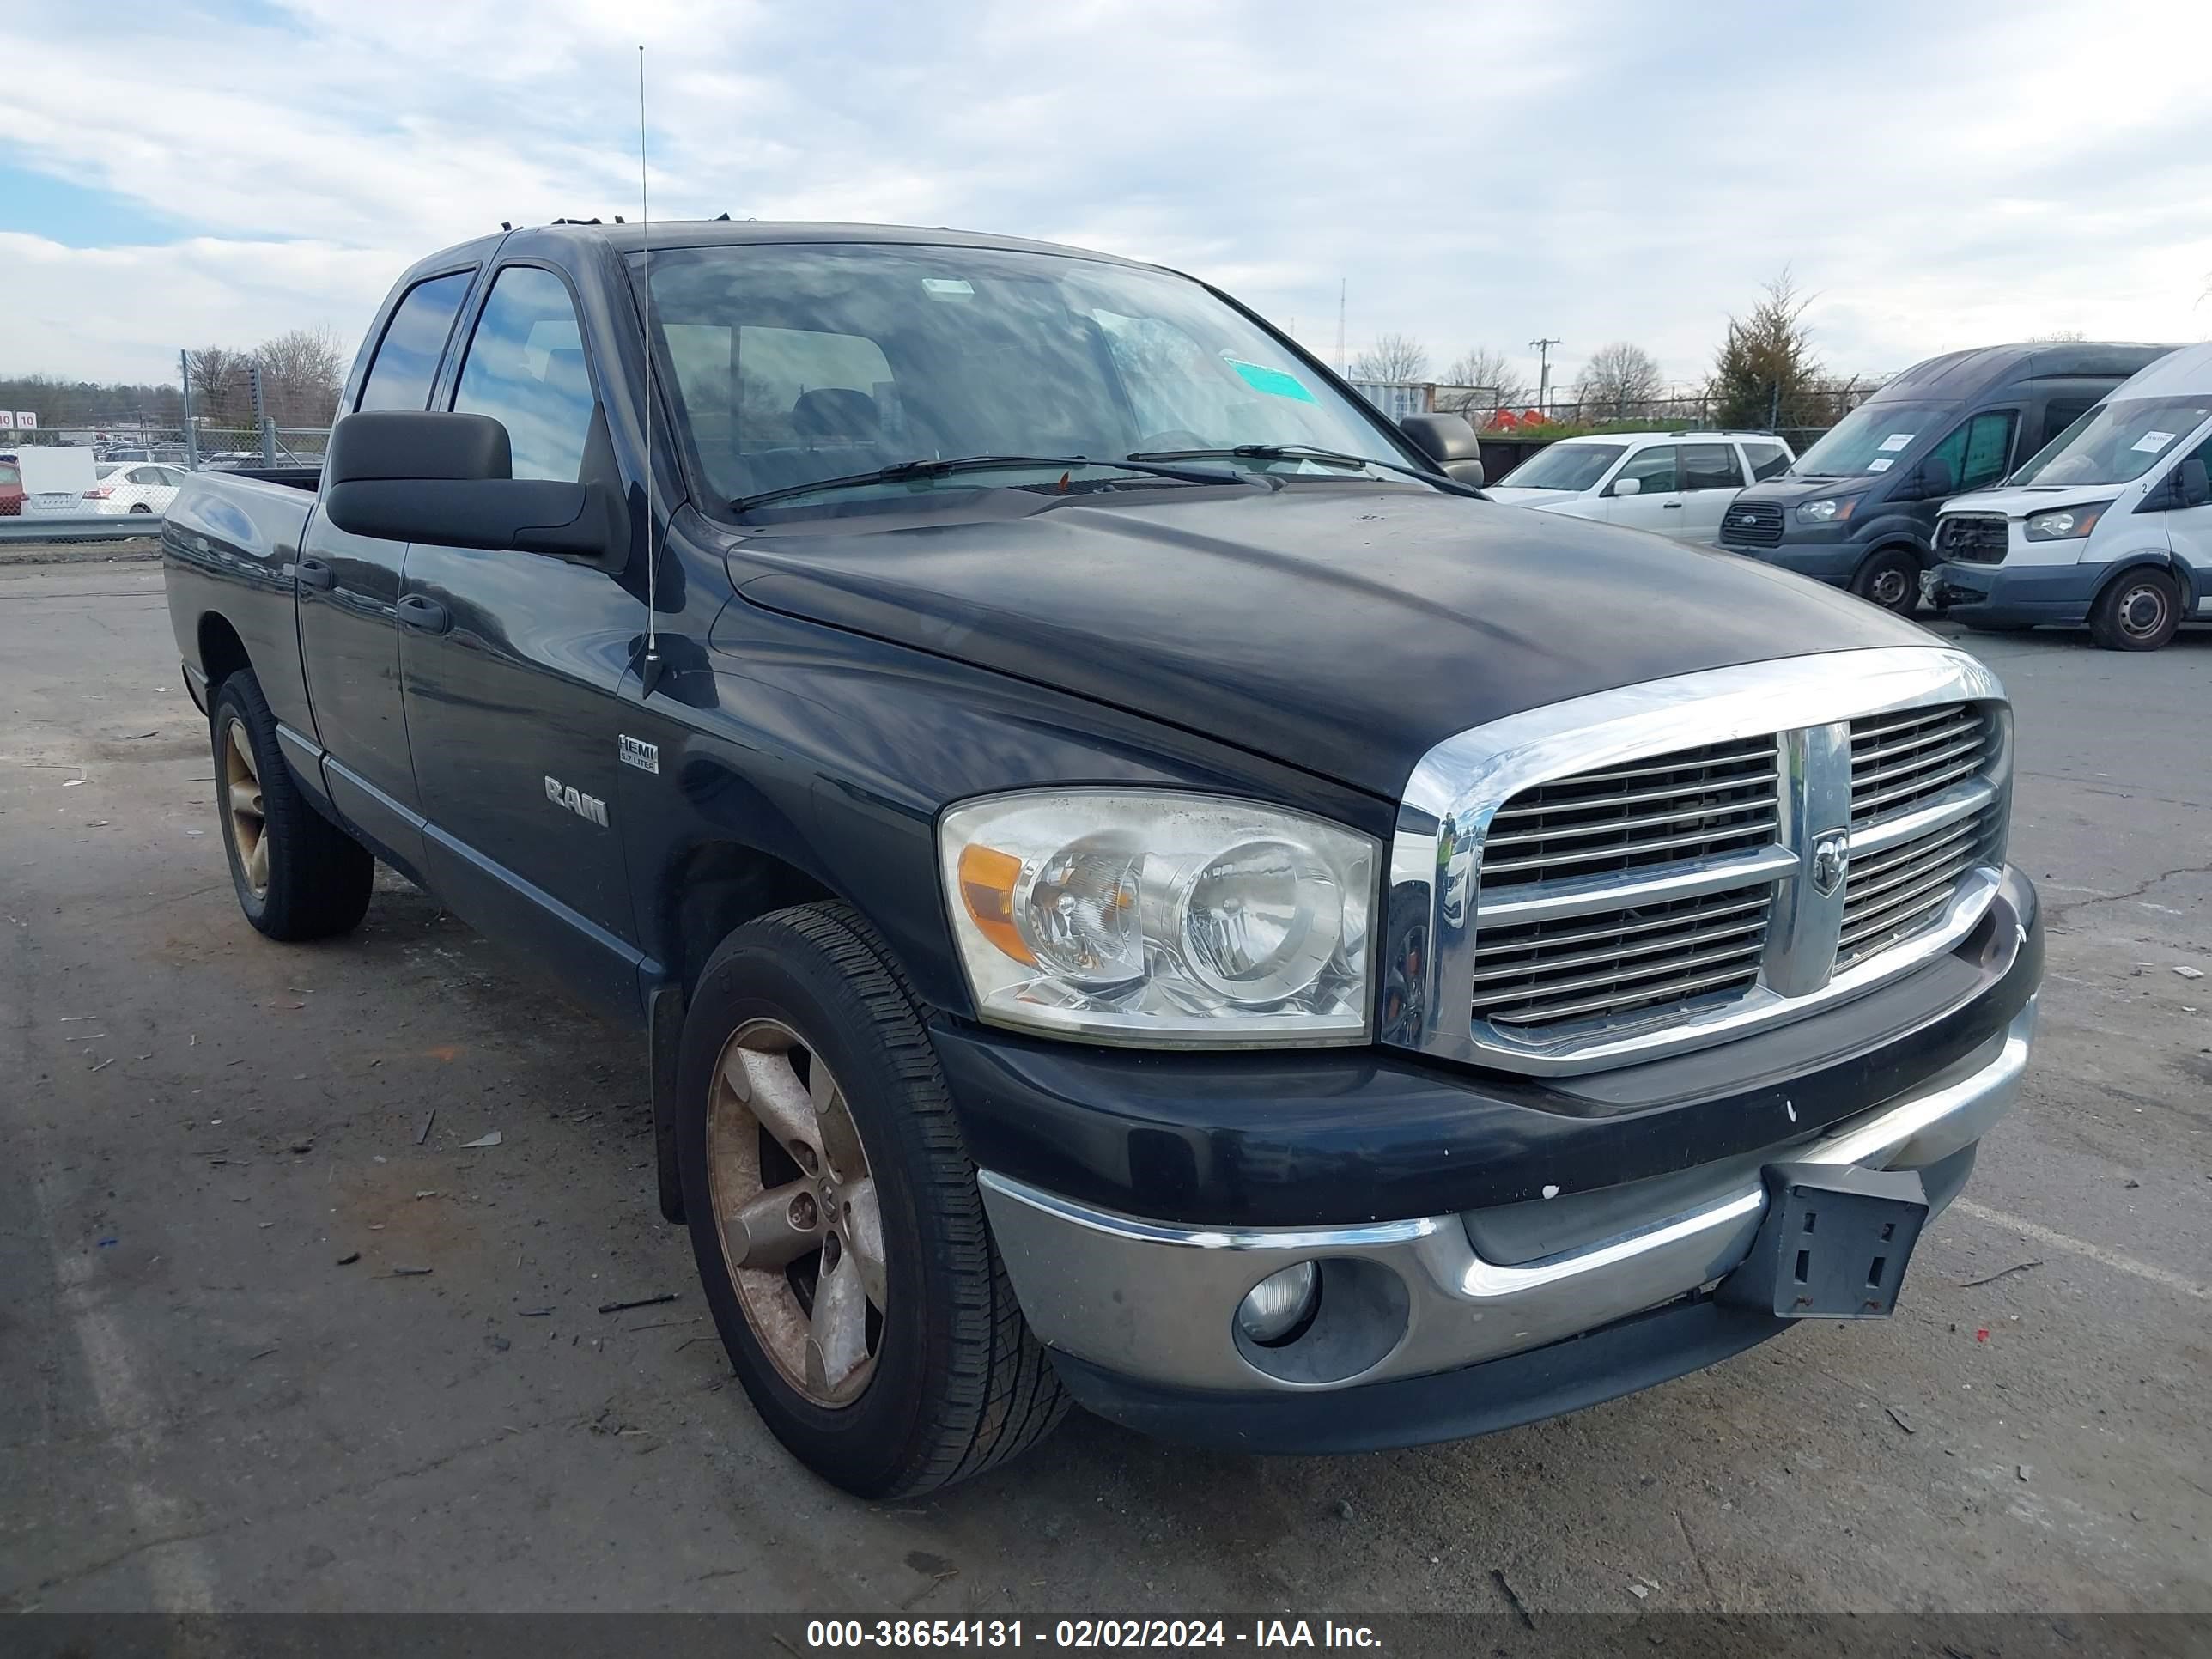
<point>1153,917</point>
<point>2065,524</point>
<point>1829,509</point>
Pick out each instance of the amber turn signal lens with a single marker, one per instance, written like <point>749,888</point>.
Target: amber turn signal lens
<point>987,888</point>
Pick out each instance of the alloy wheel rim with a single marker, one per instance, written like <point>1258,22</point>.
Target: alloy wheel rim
<point>249,818</point>
<point>2141,610</point>
<point>795,1208</point>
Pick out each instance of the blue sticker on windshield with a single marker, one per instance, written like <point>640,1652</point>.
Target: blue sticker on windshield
<point>1273,382</point>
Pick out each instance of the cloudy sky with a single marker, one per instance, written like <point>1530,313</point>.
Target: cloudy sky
<point>1939,176</point>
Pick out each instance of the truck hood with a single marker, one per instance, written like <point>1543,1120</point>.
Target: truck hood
<point>2034,498</point>
<point>1512,496</point>
<point>1788,492</point>
<point>1345,630</point>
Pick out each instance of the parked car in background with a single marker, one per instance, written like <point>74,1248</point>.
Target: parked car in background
<point>230,460</point>
<point>2111,525</point>
<point>1859,508</point>
<point>12,492</point>
<point>125,453</point>
<point>54,479</point>
<point>1680,484</point>
<point>124,487</point>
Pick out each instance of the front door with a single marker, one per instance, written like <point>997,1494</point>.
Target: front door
<point>513,664</point>
<point>348,589</point>
<point>1657,502</point>
<point>2189,534</point>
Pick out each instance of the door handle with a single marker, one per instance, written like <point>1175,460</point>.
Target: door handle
<point>427,615</point>
<point>313,572</point>
<point>1670,507</point>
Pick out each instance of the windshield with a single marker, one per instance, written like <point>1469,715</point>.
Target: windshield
<point>1563,466</point>
<point>1872,438</point>
<point>796,364</point>
<point>2116,442</point>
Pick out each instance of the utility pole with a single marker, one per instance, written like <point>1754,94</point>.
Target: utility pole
<point>1543,350</point>
<point>1342,284</point>
<point>192,433</point>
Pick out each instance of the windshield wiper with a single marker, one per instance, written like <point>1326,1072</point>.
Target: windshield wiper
<point>1304,452</point>
<point>931,469</point>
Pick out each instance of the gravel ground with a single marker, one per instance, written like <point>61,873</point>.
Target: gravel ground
<point>218,1392</point>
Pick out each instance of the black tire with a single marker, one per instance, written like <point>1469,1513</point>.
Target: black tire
<point>958,1384</point>
<point>318,876</point>
<point>2138,611</point>
<point>1891,579</point>
<point>141,506</point>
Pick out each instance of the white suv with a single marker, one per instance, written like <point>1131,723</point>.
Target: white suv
<point>1677,482</point>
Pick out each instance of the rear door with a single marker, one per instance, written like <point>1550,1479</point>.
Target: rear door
<point>349,598</point>
<point>1712,476</point>
<point>512,665</point>
<point>1658,503</point>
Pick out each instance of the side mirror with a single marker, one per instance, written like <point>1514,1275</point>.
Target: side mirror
<point>1449,441</point>
<point>1936,478</point>
<point>421,476</point>
<point>1627,487</point>
<point>2190,486</point>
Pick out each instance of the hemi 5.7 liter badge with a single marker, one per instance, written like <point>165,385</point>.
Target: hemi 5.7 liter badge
<point>646,757</point>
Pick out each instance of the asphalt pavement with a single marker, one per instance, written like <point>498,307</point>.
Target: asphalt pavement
<point>278,1338</point>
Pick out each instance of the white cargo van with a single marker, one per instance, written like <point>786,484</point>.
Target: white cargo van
<point>2110,524</point>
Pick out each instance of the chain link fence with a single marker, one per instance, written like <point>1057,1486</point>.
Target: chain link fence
<point>1799,415</point>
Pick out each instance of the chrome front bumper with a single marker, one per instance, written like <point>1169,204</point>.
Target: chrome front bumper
<point>1157,1303</point>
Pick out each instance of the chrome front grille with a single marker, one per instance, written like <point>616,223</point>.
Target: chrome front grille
<point>1898,761</point>
<point>1697,802</point>
<point>1641,958</point>
<point>1640,872</point>
<point>1890,895</point>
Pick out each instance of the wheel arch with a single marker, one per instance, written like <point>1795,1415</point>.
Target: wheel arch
<point>2156,560</point>
<point>222,652</point>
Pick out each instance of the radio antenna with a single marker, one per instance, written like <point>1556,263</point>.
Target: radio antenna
<point>649,670</point>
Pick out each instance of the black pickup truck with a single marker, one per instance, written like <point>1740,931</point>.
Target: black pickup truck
<point>1136,883</point>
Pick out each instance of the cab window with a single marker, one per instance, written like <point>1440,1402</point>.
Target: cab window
<point>1710,466</point>
<point>1978,452</point>
<point>407,357</point>
<point>526,369</point>
<point>1653,469</point>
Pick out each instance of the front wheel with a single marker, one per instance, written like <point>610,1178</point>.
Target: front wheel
<point>2137,613</point>
<point>835,1216</point>
<point>1891,579</point>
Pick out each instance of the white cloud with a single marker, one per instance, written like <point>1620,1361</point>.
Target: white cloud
<point>1598,170</point>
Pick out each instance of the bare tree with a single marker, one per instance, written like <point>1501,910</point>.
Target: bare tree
<point>301,373</point>
<point>1617,377</point>
<point>218,383</point>
<point>1392,357</point>
<point>1484,379</point>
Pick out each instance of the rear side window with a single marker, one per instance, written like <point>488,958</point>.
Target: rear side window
<point>1767,460</point>
<point>526,369</point>
<point>407,357</point>
<point>2058,416</point>
<point>1710,466</point>
<point>10,477</point>
<point>1653,470</point>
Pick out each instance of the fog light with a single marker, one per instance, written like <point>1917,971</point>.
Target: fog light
<point>1280,1304</point>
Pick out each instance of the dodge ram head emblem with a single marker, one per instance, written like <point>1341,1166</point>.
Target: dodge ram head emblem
<point>1832,857</point>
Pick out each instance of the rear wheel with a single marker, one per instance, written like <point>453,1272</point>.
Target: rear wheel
<point>141,506</point>
<point>1891,579</point>
<point>2138,611</point>
<point>836,1220</point>
<point>298,876</point>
